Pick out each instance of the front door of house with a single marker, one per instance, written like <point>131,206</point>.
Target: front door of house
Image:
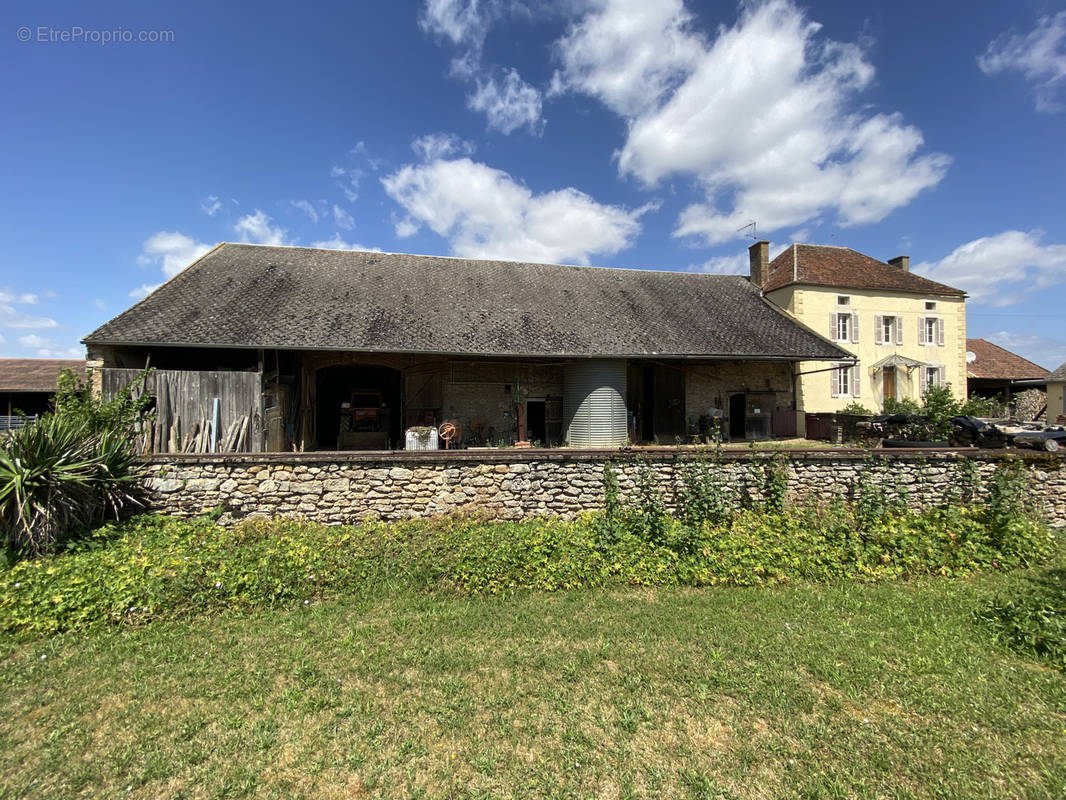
<point>888,383</point>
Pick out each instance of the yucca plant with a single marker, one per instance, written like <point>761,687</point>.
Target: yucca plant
<point>64,473</point>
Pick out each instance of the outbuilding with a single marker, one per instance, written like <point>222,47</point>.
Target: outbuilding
<point>304,348</point>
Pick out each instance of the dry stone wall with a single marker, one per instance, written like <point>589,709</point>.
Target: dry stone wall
<point>506,484</point>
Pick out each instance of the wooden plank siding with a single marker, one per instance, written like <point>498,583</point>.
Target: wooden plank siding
<point>184,403</point>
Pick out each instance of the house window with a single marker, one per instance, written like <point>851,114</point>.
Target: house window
<point>930,305</point>
<point>931,331</point>
<point>888,329</point>
<point>844,381</point>
<point>843,300</point>
<point>844,327</point>
<point>932,376</point>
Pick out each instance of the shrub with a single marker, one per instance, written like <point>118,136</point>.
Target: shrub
<point>152,567</point>
<point>857,409</point>
<point>70,469</point>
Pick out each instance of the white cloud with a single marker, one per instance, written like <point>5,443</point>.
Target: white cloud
<point>1040,56</point>
<point>762,116</point>
<point>173,251</point>
<point>144,290</point>
<point>258,228</point>
<point>210,205</point>
<point>2,339</point>
<point>11,317</point>
<point>337,243</point>
<point>342,218</point>
<point>463,22</point>
<point>1002,269</point>
<point>33,340</point>
<point>47,348</point>
<point>485,213</point>
<point>1042,350</point>
<point>441,145</point>
<point>406,227</point>
<point>306,207</point>
<point>508,104</point>
<point>348,180</point>
<point>628,53</point>
<point>736,264</point>
<point>100,304</point>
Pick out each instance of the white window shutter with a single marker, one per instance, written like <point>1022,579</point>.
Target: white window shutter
<point>921,330</point>
<point>855,378</point>
<point>897,323</point>
<point>879,329</point>
<point>834,381</point>
<point>940,331</point>
<point>940,375</point>
<point>854,328</point>
<point>833,329</point>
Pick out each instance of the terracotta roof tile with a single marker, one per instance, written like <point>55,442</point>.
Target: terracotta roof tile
<point>824,265</point>
<point>992,361</point>
<point>35,374</point>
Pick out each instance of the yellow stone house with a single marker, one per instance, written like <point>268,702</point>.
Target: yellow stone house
<point>907,332</point>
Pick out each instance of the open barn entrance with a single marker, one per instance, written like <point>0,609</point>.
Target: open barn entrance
<point>358,408</point>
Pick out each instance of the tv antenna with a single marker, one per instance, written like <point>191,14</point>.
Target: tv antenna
<point>752,235</point>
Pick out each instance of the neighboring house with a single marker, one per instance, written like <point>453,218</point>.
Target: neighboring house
<point>1056,396</point>
<point>27,386</point>
<point>908,332</point>
<point>992,371</point>
<point>323,349</point>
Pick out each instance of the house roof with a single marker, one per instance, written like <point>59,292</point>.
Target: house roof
<point>992,361</point>
<point>825,265</point>
<point>35,374</point>
<point>242,295</point>
<point>1059,375</point>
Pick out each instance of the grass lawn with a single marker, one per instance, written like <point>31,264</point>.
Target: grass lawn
<point>886,691</point>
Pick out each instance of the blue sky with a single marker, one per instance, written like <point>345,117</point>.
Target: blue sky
<point>626,133</point>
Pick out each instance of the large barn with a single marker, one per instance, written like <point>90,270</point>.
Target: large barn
<point>280,348</point>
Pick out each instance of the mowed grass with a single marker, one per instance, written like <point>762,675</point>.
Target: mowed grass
<point>887,691</point>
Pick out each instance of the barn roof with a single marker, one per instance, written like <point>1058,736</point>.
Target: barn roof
<point>35,374</point>
<point>255,296</point>
<point>992,361</point>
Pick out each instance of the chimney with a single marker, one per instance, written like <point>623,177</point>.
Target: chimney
<point>903,262</point>
<point>759,261</point>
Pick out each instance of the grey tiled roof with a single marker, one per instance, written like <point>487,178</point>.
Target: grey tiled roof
<point>1059,374</point>
<point>302,298</point>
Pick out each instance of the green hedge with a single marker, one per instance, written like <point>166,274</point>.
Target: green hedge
<point>155,567</point>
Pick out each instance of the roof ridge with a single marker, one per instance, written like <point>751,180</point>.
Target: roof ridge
<point>483,260</point>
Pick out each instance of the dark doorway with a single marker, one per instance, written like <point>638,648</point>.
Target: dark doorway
<point>662,404</point>
<point>536,423</point>
<point>358,408</point>
<point>669,405</point>
<point>737,411</point>
<point>647,404</point>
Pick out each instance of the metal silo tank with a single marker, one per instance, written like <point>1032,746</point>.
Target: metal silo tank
<point>594,403</point>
